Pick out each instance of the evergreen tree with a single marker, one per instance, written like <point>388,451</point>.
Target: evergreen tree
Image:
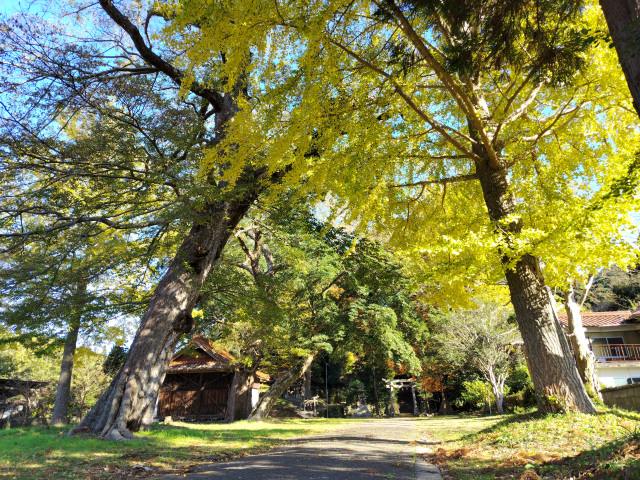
<point>115,360</point>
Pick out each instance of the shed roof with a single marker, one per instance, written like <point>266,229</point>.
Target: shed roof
<point>211,359</point>
<point>10,387</point>
<point>602,319</point>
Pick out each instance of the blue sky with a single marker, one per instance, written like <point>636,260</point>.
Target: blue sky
<point>11,6</point>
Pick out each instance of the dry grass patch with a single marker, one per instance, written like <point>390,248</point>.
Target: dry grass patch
<point>571,446</point>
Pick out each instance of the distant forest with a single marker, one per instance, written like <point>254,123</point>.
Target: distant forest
<point>614,289</point>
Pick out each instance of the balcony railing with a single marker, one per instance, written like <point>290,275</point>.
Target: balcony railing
<point>616,353</point>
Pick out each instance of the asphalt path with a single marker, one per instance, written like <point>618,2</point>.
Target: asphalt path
<point>366,449</point>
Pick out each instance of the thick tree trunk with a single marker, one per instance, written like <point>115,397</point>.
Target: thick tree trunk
<point>499,401</point>
<point>239,401</point>
<point>128,403</point>
<point>268,400</point>
<point>63,394</point>
<point>585,360</point>
<point>555,378</point>
<point>623,19</point>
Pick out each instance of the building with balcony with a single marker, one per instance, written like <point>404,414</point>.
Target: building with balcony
<point>614,339</point>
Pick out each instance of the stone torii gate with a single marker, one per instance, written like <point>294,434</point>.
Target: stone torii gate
<point>397,385</point>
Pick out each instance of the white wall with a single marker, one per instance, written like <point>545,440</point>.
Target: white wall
<point>613,375</point>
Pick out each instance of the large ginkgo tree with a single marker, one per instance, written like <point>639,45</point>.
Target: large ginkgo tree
<point>484,138</point>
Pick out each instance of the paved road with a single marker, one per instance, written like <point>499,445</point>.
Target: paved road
<point>364,450</point>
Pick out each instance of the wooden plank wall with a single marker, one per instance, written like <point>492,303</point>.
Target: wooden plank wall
<point>194,394</point>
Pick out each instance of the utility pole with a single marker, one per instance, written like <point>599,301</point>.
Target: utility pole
<point>326,384</point>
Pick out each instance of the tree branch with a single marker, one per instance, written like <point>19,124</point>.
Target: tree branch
<point>153,59</point>
<point>587,288</point>
<point>440,128</point>
<point>244,266</point>
<point>517,113</point>
<point>71,221</point>
<point>441,181</point>
<point>461,98</point>
<point>125,72</point>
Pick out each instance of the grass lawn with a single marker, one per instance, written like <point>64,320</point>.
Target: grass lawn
<point>526,447</point>
<point>534,446</point>
<point>45,453</point>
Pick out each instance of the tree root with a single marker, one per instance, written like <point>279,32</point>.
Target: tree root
<point>77,430</point>
<point>120,435</point>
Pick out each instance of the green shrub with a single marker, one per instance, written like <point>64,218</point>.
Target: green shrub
<point>518,378</point>
<point>477,393</point>
<point>521,400</point>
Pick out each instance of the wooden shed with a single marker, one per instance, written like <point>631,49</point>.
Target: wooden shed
<point>197,382</point>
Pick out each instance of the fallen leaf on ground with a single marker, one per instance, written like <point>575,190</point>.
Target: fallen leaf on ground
<point>529,475</point>
<point>460,452</point>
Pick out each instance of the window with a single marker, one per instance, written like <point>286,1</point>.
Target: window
<point>618,382</point>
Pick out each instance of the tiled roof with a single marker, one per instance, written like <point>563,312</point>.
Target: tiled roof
<point>601,319</point>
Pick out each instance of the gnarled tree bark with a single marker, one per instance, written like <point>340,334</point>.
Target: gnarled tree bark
<point>128,403</point>
<point>585,360</point>
<point>239,401</point>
